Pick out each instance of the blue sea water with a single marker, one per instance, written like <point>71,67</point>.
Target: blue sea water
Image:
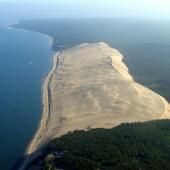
<point>25,59</point>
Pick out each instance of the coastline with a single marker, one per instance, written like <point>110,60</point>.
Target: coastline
<point>35,140</point>
<point>45,113</point>
<point>50,38</point>
<point>45,79</point>
<point>31,151</point>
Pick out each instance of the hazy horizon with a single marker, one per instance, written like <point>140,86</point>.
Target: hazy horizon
<point>143,9</point>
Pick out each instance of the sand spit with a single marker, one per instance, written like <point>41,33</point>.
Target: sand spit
<point>89,87</point>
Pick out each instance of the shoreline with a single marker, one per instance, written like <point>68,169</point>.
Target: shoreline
<point>31,150</point>
<point>44,80</point>
<point>50,38</point>
<point>30,153</point>
<point>45,113</point>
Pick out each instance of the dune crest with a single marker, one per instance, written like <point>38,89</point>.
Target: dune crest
<point>91,87</point>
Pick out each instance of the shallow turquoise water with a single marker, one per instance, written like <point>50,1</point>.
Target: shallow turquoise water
<point>25,58</point>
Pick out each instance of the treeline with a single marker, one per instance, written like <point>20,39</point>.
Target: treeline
<point>136,146</point>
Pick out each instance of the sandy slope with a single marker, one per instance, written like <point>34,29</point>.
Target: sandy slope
<point>90,87</point>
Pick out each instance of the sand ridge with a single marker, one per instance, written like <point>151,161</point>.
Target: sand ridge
<point>88,87</point>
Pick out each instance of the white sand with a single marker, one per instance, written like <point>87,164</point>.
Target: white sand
<point>90,87</point>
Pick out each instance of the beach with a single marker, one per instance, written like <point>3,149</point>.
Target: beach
<point>89,87</point>
<point>45,115</point>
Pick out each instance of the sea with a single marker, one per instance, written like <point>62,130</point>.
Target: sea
<point>26,58</point>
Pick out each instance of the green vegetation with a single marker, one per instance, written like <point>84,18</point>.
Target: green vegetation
<point>144,146</point>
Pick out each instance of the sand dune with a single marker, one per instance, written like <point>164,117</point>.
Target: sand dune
<point>90,87</point>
